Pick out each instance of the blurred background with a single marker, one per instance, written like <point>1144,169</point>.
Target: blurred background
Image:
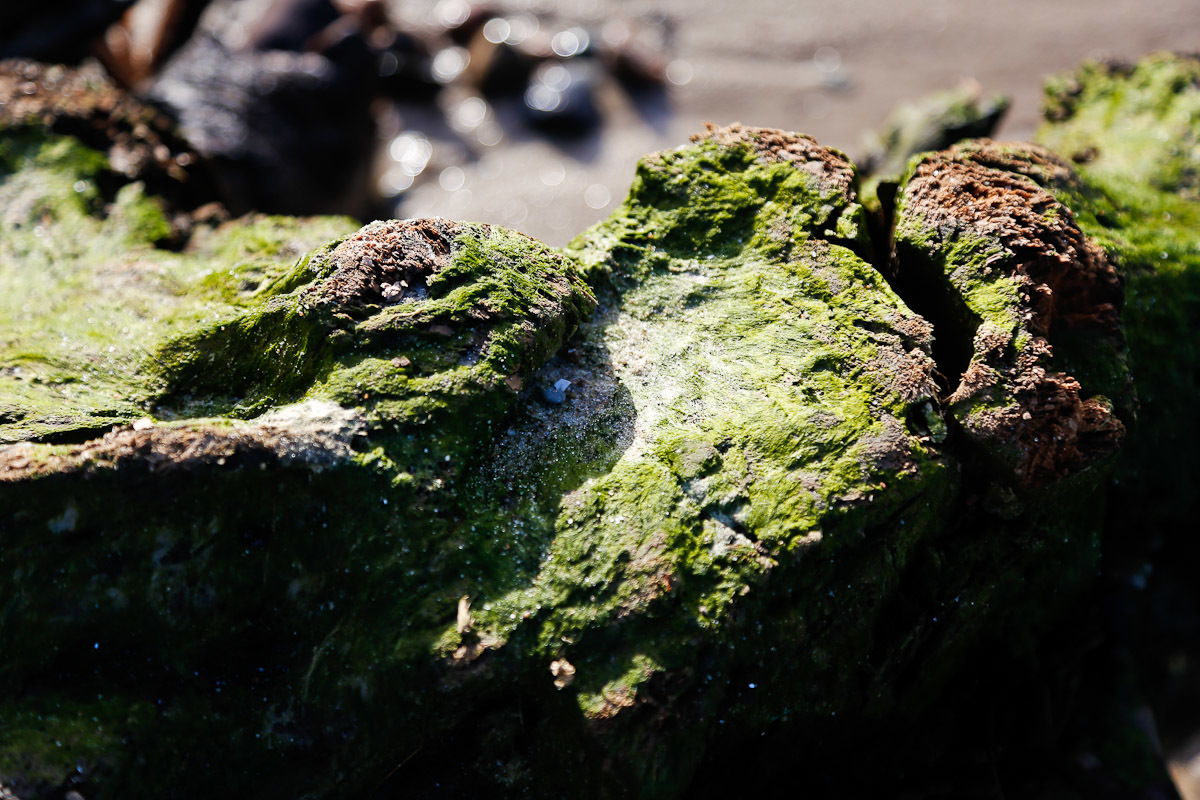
<point>532,113</point>
<point>832,70</point>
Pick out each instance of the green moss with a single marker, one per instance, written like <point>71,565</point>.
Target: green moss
<point>41,742</point>
<point>1135,131</point>
<point>750,374</point>
<point>933,122</point>
<point>1136,123</point>
<point>710,200</point>
<point>138,219</point>
<point>87,296</point>
<point>293,345</point>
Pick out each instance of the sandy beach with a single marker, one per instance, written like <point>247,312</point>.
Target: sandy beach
<point>831,70</point>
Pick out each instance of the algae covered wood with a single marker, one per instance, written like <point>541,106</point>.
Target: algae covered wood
<point>1025,299</point>
<point>1134,132</point>
<point>435,508</point>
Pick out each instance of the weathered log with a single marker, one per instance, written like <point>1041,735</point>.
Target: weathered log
<point>437,509</point>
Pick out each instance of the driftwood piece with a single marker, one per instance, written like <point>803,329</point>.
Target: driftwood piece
<point>438,509</point>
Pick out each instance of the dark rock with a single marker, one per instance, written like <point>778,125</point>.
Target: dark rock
<point>560,97</point>
<point>284,132</point>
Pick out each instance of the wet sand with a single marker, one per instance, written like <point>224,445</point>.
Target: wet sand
<point>828,69</point>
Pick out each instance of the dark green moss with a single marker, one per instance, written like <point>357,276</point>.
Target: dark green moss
<point>932,122</point>
<point>1133,128</point>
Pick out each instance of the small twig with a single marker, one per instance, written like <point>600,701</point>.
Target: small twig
<point>396,768</point>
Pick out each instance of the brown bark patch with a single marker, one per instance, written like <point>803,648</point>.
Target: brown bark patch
<point>1065,279</point>
<point>909,375</point>
<point>1056,430</point>
<point>890,450</point>
<point>996,193</point>
<point>650,572</point>
<point>1044,167</point>
<point>386,262</point>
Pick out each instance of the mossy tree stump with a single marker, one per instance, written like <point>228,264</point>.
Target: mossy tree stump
<point>432,507</point>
